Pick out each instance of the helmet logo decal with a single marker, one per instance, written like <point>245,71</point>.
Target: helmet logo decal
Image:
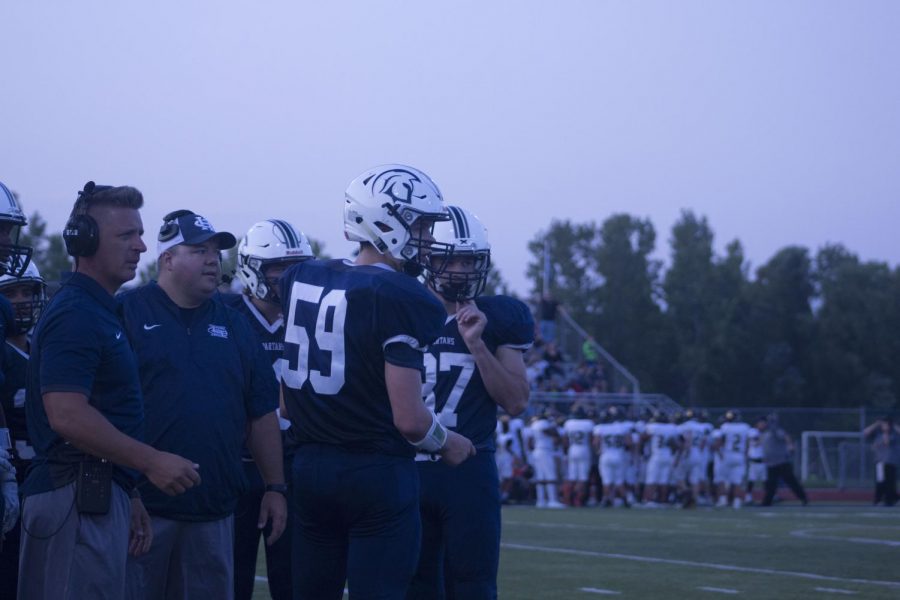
<point>399,185</point>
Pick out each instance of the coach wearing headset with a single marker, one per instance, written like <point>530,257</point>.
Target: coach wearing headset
<point>85,417</point>
<point>207,385</point>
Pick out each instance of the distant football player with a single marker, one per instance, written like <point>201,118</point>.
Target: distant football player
<point>731,446</point>
<point>695,435</point>
<point>543,441</point>
<point>264,253</point>
<point>475,366</point>
<point>613,442</point>
<point>665,445</point>
<point>756,466</point>
<point>355,340</point>
<point>577,432</point>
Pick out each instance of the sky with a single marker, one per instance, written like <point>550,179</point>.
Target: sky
<point>777,120</point>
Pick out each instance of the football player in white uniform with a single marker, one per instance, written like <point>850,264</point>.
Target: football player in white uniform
<point>695,435</point>
<point>665,444</point>
<point>544,438</point>
<point>613,442</point>
<point>731,446</point>
<point>756,467</point>
<point>577,441</point>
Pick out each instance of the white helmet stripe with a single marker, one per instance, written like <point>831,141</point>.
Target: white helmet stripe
<point>289,236</point>
<point>460,223</point>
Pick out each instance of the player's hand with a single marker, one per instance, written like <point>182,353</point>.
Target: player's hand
<point>471,322</point>
<point>457,449</point>
<point>6,466</point>
<point>173,474</point>
<point>273,508</point>
<point>140,538</point>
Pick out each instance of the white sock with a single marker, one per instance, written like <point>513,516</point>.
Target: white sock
<point>541,494</point>
<point>551,492</point>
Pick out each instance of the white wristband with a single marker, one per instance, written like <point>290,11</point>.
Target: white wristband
<point>435,439</point>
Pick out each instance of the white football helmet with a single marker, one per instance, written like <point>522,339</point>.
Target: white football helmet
<point>26,311</point>
<point>14,257</point>
<point>381,205</point>
<point>468,239</point>
<point>266,243</point>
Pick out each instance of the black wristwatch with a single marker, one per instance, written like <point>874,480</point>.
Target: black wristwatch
<point>281,488</point>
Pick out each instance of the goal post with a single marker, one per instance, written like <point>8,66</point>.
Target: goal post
<point>838,458</point>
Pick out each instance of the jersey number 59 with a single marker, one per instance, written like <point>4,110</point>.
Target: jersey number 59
<point>329,336</point>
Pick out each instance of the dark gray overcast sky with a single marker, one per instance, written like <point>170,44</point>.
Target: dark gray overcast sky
<point>778,120</point>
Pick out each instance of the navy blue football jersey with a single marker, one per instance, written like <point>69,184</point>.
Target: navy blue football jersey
<point>271,335</point>
<point>12,397</point>
<point>344,322</point>
<point>454,388</point>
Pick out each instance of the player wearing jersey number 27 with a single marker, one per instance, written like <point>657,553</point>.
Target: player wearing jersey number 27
<point>474,366</point>
<point>355,337</point>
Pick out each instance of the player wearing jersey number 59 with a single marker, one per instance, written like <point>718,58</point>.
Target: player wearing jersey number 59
<point>355,338</point>
<point>475,365</point>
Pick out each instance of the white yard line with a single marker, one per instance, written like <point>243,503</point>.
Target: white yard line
<point>817,534</point>
<point>261,578</point>
<point>702,565</point>
<point>591,590</point>
<point>836,591</point>
<point>653,530</point>
<point>718,590</point>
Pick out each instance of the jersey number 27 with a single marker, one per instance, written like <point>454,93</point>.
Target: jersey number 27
<point>445,362</point>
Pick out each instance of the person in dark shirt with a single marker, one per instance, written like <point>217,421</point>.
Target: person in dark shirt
<point>885,437</point>
<point>777,451</point>
<point>474,366</point>
<point>355,338</point>
<point>14,258</point>
<point>85,418</point>
<point>264,253</point>
<point>207,385</point>
<point>26,296</point>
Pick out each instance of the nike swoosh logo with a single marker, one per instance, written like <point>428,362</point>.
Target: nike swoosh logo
<point>119,335</point>
<point>149,327</point>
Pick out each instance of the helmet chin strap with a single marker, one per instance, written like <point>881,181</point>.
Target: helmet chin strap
<point>412,268</point>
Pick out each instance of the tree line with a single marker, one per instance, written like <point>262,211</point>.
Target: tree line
<point>803,329</point>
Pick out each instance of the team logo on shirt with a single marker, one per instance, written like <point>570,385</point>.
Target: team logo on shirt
<point>218,331</point>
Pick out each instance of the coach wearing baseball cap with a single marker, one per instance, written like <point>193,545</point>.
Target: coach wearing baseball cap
<point>206,385</point>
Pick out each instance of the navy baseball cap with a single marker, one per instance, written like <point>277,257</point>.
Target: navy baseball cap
<point>186,227</point>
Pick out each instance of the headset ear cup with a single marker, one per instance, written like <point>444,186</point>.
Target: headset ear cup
<point>82,236</point>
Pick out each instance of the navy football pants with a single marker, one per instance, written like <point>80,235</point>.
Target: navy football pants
<point>460,509</point>
<point>356,518</point>
<point>246,544</point>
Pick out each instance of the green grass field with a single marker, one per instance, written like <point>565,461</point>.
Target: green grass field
<point>783,552</point>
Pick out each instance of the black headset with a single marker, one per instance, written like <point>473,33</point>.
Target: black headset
<point>170,227</point>
<point>82,235</point>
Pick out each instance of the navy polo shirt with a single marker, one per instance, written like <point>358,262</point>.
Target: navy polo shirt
<point>204,376</point>
<point>79,346</point>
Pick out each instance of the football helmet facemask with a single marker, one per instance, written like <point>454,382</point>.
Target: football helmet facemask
<point>381,206</point>
<point>14,257</point>
<point>267,243</point>
<point>464,277</point>
<point>27,306</point>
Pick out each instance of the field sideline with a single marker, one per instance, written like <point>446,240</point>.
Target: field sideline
<point>822,551</point>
